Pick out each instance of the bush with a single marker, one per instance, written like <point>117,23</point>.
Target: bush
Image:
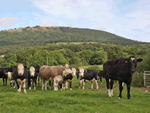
<point>94,67</point>
<point>137,80</point>
<point>144,65</point>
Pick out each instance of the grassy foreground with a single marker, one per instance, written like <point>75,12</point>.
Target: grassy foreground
<point>77,100</point>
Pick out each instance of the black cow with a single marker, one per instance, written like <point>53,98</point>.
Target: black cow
<point>87,75</point>
<point>20,75</point>
<point>100,75</point>
<point>3,74</point>
<point>32,75</point>
<point>121,70</point>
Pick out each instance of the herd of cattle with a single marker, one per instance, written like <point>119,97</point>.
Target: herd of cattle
<point>118,69</point>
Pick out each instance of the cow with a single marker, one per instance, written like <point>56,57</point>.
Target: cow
<point>11,80</point>
<point>68,75</point>
<point>20,75</point>
<point>100,75</point>
<point>87,75</point>
<point>122,70</point>
<point>3,74</point>
<point>32,77</point>
<point>37,68</point>
<point>53,73</point>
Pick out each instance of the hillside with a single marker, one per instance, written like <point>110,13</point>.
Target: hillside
<point>42,35</point>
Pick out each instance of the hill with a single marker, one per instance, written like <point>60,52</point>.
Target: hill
<point>42,35</point>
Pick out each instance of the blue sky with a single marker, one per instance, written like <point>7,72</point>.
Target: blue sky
<point>126,18</point>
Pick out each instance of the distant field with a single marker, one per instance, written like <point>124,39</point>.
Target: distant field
<point>98,67</point>
<point>75,101</point>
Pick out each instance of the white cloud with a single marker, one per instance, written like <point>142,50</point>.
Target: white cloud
<point>51,22</point>
<point>73,9</point>
<point>8,21</point>
<point>36,14</point>
<point>45,22</point>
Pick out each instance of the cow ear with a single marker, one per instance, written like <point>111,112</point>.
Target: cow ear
<point>139,60</point>
<point>85,70</point>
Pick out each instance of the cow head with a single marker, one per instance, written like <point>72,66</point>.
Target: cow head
<point>37,68</point>
<point>132,61</point>
<point>73,72</point>
<point>67,71</point>
<point>20,69</point>
<point>81,72</point>
<point>9,74</point>
<point>32,71</point>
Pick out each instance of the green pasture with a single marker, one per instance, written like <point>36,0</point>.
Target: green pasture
<point>74,101</point>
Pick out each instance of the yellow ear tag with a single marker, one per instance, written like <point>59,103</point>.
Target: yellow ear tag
<point>126,61</point>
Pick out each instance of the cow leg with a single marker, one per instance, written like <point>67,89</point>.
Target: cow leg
<point>6,81</point>
<point>79,84</point>
<point>11,84</point>
<point>14,84</point>
<point>3,81</point>
<point>45,85</point>
<point>50,85</point>
<point>34,83</point>
<point>96,81</point>
<point>120,89</point>
<point>60,84</point>
<point>66,84</point>
<point>19,90</point>
<point>107,81</point>
<point>63,85</point>
<point>70,84</point>
<point>24,86</point>
<point>128,89</point>
<point>29,84</point>
<point>101,79</point>
<point>19,85</point>
<point>83,84</point>
<point>55,84</point>
<point>92,84</point>
<point>43,82</point>
<point>111,87</point>
<point>38,80</point>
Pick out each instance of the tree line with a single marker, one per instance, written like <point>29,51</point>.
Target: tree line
<point>73,54</point>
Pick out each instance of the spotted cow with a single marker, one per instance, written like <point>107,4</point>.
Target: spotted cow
<point>86,76</point>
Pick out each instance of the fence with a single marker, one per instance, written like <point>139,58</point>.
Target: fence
<point>147,78</point>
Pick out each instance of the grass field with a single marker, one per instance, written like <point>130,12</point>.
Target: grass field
<point>75,101</point>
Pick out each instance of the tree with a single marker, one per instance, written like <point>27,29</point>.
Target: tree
<point>98,58</point>
<point>115,52</point>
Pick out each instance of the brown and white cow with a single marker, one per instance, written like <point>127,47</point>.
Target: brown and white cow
<point>54,73</point>
<point>11,80</point>
<point>68,76</point>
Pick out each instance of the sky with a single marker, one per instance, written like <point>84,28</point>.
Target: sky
<point>126,18</point>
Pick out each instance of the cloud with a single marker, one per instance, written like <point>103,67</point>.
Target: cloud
<point>8,21</point>
<point>45,22</point>
<point>36,14</point>
<point>101,28</point>
<point>51,22</point>
<point>73,9</point>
